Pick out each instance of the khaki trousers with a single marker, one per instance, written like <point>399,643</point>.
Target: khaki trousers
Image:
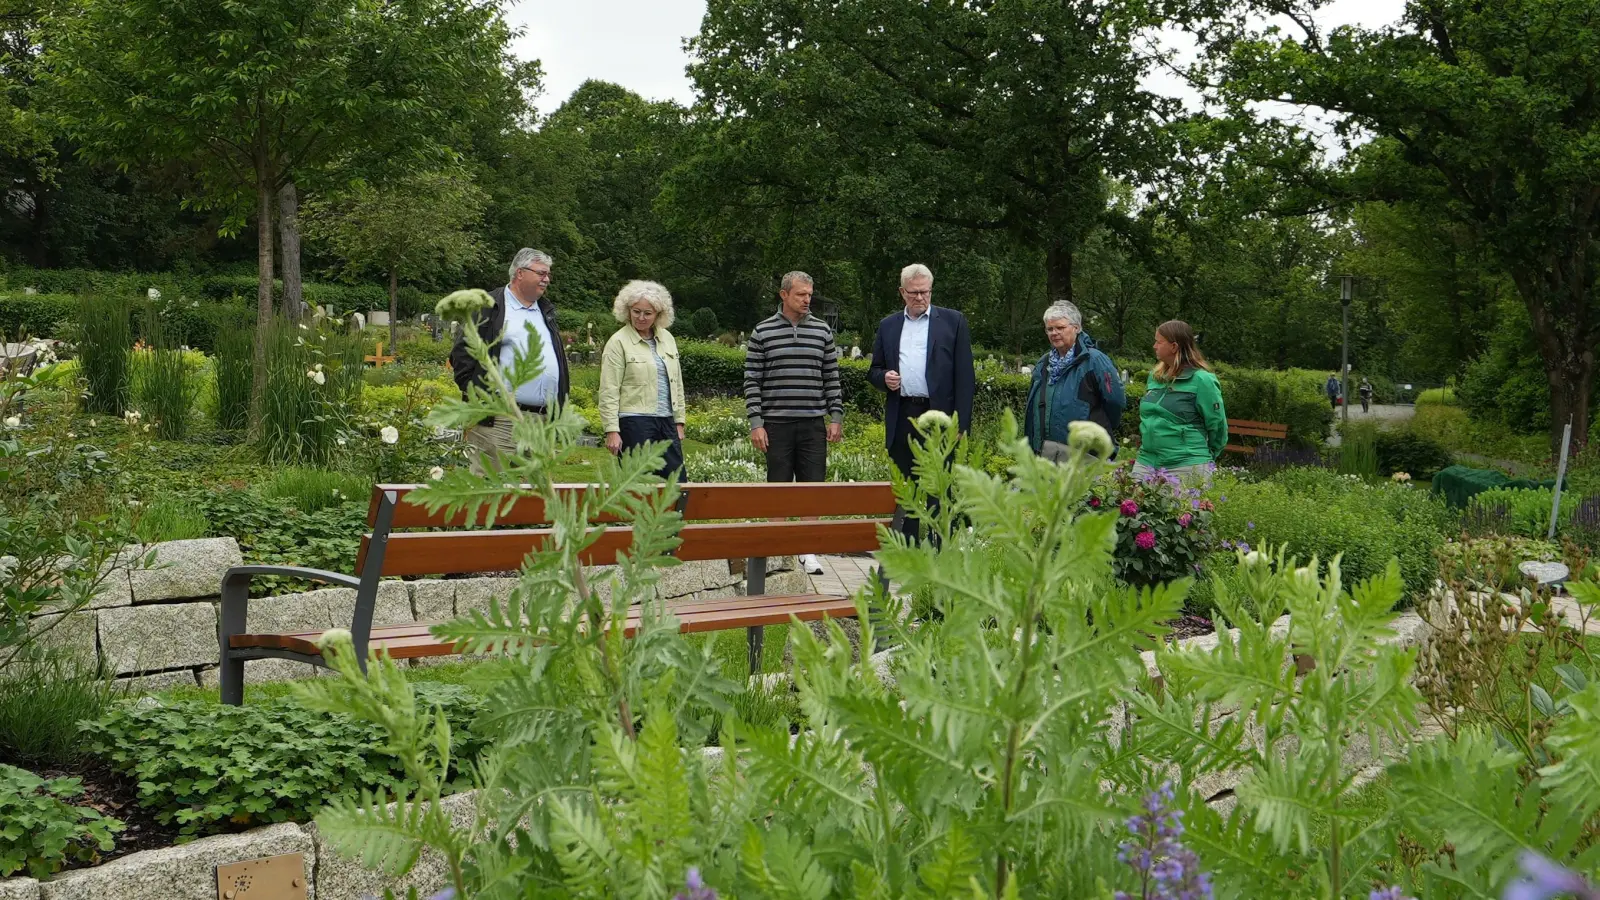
<point>493,441</point>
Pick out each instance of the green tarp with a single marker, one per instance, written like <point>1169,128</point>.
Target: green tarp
<point>1458,484</point>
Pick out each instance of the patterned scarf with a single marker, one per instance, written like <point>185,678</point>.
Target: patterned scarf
<point>1059,362</point>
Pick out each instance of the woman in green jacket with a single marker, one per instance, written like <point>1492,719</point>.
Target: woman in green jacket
<point>641,381</point>
<point>1183,425</point>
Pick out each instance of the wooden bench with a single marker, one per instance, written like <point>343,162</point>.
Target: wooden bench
<point>449,546</point>
<point>1245,428</point>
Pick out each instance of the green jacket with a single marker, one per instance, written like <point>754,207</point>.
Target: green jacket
<point>628,376</point>
<point>1182,423</point>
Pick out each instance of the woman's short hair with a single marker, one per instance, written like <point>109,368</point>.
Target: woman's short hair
<point>633,292</point>
<point>1061,309</point>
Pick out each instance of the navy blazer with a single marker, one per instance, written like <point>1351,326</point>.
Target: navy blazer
<point>951,379</point>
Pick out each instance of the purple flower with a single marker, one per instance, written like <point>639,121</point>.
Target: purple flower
<point>694,887</point>
<point>1129,508</point>
<point>1194,504</point>
<point>1242,547</point>
<point>1227,545</point>
<point>1250,526</point>
<point>1167,870</point>
<point>1184,520</point>
<point>1389,893</point>
<point>1542,879</point>
<point>1145,540</point>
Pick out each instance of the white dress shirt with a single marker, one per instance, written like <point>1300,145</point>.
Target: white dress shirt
<point>914,355</point>
<point>540,391</point>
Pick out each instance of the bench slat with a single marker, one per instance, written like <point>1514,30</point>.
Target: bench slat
<point>413,641</point>
<point>445,553</point>
<point>705,501</point>
<point>1273,429</point>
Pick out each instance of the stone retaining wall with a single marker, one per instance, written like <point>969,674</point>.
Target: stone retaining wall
<point>157,628</point>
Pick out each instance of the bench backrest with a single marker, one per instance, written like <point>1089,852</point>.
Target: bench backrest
<point>447,551</point>
<point>1247,428</point>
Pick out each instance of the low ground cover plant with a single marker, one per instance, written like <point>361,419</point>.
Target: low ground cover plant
<point>205,767</point>
<point>41,831</point>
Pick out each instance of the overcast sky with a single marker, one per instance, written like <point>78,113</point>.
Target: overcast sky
<point>639,43</point>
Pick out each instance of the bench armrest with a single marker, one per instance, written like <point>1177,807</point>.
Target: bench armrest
<point>236,592</point>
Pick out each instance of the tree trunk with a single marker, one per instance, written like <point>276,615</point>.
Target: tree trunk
<point>394,307</point>
<point>289,247</point>
<point>264,204</point>
<point>1058,272</point>
<point>1564,332</point>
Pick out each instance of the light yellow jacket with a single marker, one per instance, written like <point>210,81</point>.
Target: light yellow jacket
<point>628,376</point>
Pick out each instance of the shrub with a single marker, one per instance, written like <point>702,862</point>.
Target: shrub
<point>235,362</point>
<point>42,832</point>
<point>1526,511</point>
<point>702,323</point>
<point>1163,527</point>
<point>205,767</point>
<point>1440,396</point>
<point>1293,398</point>
<point>424,350</point>
<point>1492,562</point>
<point>105,345</point>
<point>716,421</point>
<point>43,697</point>
<point>1315,511</point>
<point>1410,451</point>
<point>168,518</point>
<point>36,315</point>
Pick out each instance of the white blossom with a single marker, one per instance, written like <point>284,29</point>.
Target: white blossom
<point>153,294</point>
<point>13,421</point>
<point>390,434</point>
<point>316,376</point>
<point>436,473</point>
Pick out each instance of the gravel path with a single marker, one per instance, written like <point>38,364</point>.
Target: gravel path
<point>1381,413</point>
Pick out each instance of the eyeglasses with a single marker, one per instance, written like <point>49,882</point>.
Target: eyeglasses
<point>916,293</point>
<point>542,276</point>
<point>642,313</point>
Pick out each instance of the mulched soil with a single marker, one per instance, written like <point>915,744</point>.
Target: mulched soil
<point>114,795</point>
<point>1188,627</point>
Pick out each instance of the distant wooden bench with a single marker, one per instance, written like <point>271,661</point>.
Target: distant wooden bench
<point>1245,428</point>
<point>451,548</point>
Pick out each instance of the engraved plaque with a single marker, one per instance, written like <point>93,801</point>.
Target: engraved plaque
<point>268,878</point>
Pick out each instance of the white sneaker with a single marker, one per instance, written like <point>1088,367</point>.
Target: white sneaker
<point>811,564</point>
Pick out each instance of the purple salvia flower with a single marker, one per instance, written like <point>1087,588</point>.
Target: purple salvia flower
<point>1542,879</point>
<point>1167,870</point>
<point>694,887</point>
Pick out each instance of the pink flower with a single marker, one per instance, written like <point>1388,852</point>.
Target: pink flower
<point>1184,520</point>
<point>1094,502</point>
<point>1130,508</point>
<point>1145,540</point>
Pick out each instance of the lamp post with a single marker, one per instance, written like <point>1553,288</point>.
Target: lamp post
<point>1345,284</point>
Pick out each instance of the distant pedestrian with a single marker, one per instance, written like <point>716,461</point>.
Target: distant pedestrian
<point>1183,424</point>
<point>1332,387</point>
<point>1366,394</point>
<point>792,393</point>
<point>1073,382</point>
<point>520,308</point>
<point>641,382</point>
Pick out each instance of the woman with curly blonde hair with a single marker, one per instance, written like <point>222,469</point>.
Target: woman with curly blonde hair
<point>641,381</point>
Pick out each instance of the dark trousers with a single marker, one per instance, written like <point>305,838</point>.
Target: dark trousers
<point>797,449</point>
<point>636,430</point>
<point>900,453</point>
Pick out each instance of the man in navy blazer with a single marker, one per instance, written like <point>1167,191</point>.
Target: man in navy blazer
<point>922,358</point>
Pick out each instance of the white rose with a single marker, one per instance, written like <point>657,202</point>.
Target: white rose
<point>1254,558</point>
<point>390,434</point>
<point>153,294</point>
<point>91,423</point>
<point>318,377</point>
<point>339,441</point>
<point>13,421</point>
<point>436,473</point>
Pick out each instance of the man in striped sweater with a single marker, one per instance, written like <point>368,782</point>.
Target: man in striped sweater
<point>791,391</point>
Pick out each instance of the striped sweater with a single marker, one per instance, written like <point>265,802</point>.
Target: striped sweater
<point>791,371</point>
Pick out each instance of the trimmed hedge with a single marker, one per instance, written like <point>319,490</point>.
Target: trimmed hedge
<point>37,315</point>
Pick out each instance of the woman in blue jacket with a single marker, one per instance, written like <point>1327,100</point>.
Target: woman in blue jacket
<point>1073,382</point>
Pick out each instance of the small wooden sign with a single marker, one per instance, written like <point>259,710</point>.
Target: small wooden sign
<point>378,358</point>
<point>268,878</point>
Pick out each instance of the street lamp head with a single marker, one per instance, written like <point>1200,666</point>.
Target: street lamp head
<point>1346,282</point>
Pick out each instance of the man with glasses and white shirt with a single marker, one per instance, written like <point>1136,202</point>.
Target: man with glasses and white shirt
<point>922,358</point>
<point>520,307</point>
